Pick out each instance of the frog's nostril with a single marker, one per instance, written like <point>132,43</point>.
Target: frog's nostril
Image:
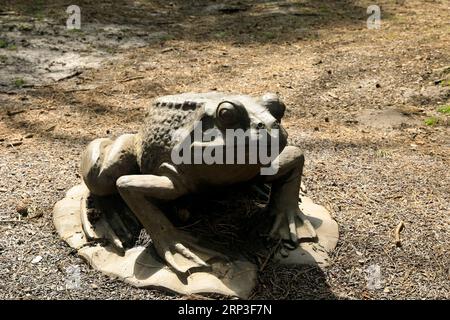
<point>260,125</point>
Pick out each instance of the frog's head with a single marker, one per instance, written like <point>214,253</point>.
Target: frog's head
<point>238,122</point>
<point>257,115</point>
<point>245,122</point>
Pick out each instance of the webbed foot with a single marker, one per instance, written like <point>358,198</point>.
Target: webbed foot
<point>291,225</point>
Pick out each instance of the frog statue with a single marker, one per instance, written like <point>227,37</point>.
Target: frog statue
<point>192,143</point>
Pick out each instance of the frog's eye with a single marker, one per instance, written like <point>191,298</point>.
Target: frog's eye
<point>227,113</point>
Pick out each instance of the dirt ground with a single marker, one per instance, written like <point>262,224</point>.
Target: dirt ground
<point>371,109</point>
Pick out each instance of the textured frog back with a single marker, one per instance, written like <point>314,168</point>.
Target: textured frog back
<point>164,117</point>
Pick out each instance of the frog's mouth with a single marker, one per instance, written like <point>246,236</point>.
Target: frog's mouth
<point>261,147</point>
<point>256,146</point>
<point>275,137</point>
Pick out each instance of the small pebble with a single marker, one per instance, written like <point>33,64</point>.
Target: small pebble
<point>22,209</point>
<point>36,259</point>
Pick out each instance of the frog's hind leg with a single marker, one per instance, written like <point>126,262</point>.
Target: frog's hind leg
<point>103,162</point>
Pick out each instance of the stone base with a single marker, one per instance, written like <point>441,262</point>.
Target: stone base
<point>142,267</point>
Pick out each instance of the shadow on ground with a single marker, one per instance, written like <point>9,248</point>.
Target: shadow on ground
<point>294,283</point>
<point>243,22</point>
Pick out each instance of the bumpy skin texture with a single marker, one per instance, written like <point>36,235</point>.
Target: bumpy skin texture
<point>163,119</point>
<point>141,169</point>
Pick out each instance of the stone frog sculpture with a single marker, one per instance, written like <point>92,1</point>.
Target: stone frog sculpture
<point>140,167</point>
<point>184,147</point>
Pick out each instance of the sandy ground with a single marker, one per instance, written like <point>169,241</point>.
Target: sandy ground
<point>367,106</point>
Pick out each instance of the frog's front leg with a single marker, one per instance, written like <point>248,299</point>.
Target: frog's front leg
<point>179,249</point>
<point>284,196</point>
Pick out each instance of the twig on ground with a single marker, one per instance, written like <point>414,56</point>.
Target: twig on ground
<point>70,76</point>
<point>8,13</point>
<point>14,144</point>
<point>131,79</point>
<point>398,241</point>
<point>12,113</point>
<point>80,89</point>
<point>271,253</point>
